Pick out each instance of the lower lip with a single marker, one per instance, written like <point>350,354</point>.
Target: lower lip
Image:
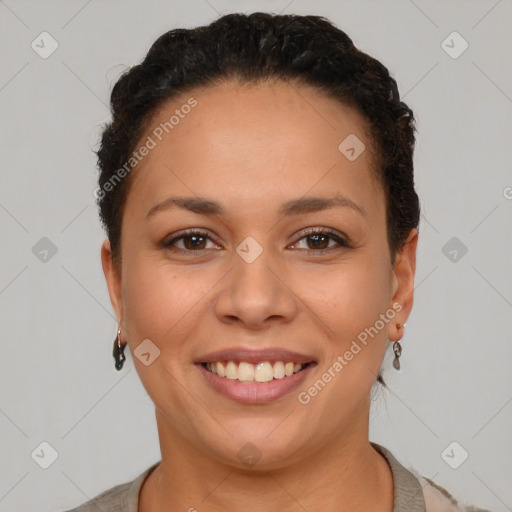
<point>255,392</point>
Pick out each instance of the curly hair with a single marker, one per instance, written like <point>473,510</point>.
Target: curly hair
<point>250,48</point>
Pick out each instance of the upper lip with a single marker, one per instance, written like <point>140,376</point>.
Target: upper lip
<point>255,356</point>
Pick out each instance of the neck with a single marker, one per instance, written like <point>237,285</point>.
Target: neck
<point>344,475</point>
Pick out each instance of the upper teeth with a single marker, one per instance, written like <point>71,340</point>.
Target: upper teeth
<point>248,372</point>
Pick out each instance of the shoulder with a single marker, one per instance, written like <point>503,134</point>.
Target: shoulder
<point>438,499</point>
<point>121,498</point>
<point>415,492</point>
<point>112,500</point>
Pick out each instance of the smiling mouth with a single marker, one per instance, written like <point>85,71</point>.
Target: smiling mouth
<point>262,372</point>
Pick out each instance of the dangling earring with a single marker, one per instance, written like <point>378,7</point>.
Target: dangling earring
<point>397,349</point>
<point>118,352</point>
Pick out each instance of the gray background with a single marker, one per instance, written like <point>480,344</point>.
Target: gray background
<point>59,384</point>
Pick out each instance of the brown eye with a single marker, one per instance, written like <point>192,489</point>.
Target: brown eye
<point>318,240</point>
<point>192,241</point>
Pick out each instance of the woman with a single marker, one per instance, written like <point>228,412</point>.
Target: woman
<point>257,192</point>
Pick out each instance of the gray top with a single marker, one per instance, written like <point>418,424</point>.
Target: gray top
<point>409,494</point>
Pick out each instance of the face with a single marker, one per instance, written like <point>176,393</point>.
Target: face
<point>266,274</point>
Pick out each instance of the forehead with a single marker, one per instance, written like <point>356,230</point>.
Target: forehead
<point>254,145</point>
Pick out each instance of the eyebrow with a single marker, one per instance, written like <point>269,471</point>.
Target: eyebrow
<point>209,207</point>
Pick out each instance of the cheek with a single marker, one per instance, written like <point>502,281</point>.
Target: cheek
<point>354,297</point>
<point>159,299</point>
<point>358,295</point>
<point>371,294</point>
<point>351,296</point>
<point>162,305</point>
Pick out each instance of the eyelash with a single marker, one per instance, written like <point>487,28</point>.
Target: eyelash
<point>343,242</point>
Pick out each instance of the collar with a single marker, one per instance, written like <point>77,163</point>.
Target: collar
<point>407,494</point>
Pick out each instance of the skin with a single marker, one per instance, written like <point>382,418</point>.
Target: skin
<point>252,149</point>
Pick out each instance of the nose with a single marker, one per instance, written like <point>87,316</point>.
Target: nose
<point>256,294</point>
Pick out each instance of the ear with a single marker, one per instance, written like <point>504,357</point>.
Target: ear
<point>113,279</point>
<point>403,283</point>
